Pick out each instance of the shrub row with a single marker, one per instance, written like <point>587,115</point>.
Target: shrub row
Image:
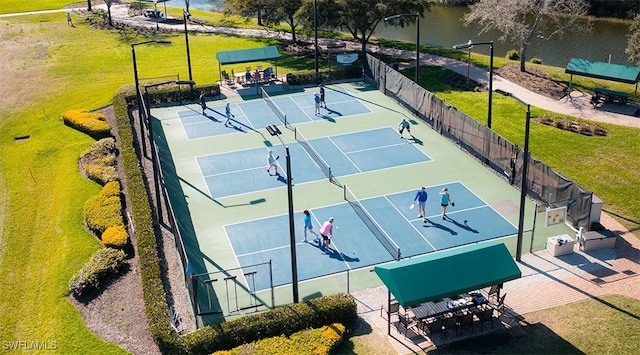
<point>286,320</point>
<point>338,308</point>
<point>311,341</point>
<point>104,264</point>
<point>155,298</point>
<point>307,77</point>
<point>104,210</point>
<point>92,123</point>
<point>99,161</point>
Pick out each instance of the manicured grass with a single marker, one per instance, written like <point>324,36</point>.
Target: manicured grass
<point>42,191</point>
<point>51,67</point>
<point>608,166</point>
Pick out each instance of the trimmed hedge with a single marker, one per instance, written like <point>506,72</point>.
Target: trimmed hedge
<point>103,264</point>
<point>338,308</point>
<point>115,237</point>
<point>322,340</point>
<point>92,123</point>
<point>104,210</point>
<point>307,77</point>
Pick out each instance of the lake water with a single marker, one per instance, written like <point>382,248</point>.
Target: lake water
<point>442,27</point>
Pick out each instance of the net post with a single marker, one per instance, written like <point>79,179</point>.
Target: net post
<point>330,175</point>
<point>344,192</point>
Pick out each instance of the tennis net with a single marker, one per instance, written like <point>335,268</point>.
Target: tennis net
<point>373,226</point>
<point>321,163</point>
<point>276,110</point>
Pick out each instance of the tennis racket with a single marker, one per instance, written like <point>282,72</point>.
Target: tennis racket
<point>413,204</point>
<point>278,157</point>
<point>453,204</point>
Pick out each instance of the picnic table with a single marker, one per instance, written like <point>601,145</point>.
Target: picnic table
<point>602,95</point>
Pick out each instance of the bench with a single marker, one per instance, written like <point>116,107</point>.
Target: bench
<point>602,95</point>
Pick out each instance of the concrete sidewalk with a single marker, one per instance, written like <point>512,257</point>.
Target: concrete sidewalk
<point>576,104</point>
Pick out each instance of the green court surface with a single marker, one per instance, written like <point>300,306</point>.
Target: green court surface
<point>233,215</point>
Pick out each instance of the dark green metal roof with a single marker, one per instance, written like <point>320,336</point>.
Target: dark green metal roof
<point>248,55</point>
<point>448,273</point>
<point>601,70</point>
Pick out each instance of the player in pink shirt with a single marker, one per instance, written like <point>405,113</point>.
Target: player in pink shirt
<point>326,231</point>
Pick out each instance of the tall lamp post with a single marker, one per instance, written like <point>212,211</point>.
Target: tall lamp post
<point>137,84</point>
<point>155,5</point>
<point>186,15</point>
<point>468,46</point>
<point>417,16</point>
<point>274,131</point>
<point>490,44</point>
<point>525,168</point>
<point>315,29</point>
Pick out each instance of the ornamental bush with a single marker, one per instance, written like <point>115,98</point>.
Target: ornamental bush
<point>103,264</point>
<point>99,161</point>
<point>513,55</point>
<point>115,237</point>
<point>285,320</point>
<point>104,210</point>
<point>310,341</point>
<point>92,123</point>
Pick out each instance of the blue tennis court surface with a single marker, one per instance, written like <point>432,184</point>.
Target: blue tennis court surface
<point>347,154</point>
<point>354,245</point>
<point>256,114</point>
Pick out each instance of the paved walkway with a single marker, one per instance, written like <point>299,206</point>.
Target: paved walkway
<point>546,281</point>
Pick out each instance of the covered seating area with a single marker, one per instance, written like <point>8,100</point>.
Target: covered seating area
<point>248,75</point>
<point>457,290</point>
<point>606,71</point>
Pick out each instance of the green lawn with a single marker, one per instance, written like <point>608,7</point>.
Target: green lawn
<point>608,166</point>
<point>51,67</point>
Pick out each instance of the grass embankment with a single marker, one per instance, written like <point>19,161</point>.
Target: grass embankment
<point>608,166</point>
<point>50,67</point>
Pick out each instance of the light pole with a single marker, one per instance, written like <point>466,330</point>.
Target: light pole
<point>274,131</point>
<point>155,5</point>
<point>186,15</point>
<point>525,168</point>
<point>151,141</point>
<point>315,28</point>
<point>490,44</point>
<point>417,16</point>
<point>137,84</point>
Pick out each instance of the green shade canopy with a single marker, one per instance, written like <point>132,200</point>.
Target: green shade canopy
<point>248,55</point>
<point>601,70</point>
<point>435,276</point>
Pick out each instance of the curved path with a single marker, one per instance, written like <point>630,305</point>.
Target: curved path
<point>547,281</point>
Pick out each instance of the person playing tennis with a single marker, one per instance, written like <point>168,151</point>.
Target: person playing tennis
<point>421,198</point>
<point>326,231</point>
<point>445,199</point>
<point>272,162</point>
<point>227,112</point>
<point>308,226</point>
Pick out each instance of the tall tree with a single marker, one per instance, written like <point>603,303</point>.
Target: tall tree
<point>523,20</point>
<point>633,45</point>
<point>360,17</point>
<point>268,12</point>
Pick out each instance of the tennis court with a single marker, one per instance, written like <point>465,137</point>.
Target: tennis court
<point>233,215</point>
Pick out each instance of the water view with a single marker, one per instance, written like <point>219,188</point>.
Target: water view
<point>442,27</point>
